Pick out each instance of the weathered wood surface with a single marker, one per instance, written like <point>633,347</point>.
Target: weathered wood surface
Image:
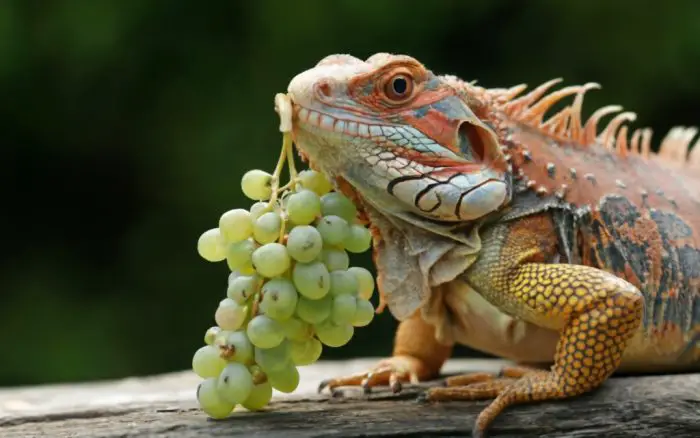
<point>648,406</point>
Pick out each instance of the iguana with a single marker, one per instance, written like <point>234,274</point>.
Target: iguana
<point>543,240</point>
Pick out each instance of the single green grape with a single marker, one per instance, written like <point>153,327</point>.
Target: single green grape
<point>236,346</point>
<point>211,334</point>
<point>297,330</point>
<point>304,243</point>
<point>242,288</point>
<point>264,332</point>
<point>257,185</point>
<point>235,383</point>
<point>365,282</point>
<point>316,181</point>
<point>271,260</point>
<point>334,335</point>
<point>337,204</point>
<point>257,210</point>
<point>343,282</point>
<point>305,352</point>
<point>207,362</point>
<point>266,228</point>
<point>230,315</point>
<point>259,397</point>
<point>240,256</point>
<point>236,225</point>
<point>211,245</point>
<point>303,207</point>
<point>314,311</point>
<point>358,239</point>
<point>297,351</point>
<point>279,299</point>
<point>211,402</point>
<point>273,359</point>
<point>335,259</point>
<point>333,229</point>
<point>312,280</point>
<point>363,314</point>
<point>232,276</point>
<point>286,379</point>
<point>343,309</point>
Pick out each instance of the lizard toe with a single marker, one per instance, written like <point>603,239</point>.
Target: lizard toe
<point>393,372</point>
<point>479,388</point>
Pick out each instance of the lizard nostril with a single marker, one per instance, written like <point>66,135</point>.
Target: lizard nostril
<point>324,88</point>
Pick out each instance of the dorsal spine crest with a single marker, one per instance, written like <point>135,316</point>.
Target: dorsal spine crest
<point>566,125</point>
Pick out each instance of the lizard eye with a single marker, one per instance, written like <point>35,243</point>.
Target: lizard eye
<point>399,87</point>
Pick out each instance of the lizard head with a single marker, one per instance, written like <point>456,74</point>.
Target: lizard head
<point>415,150</point>
<point>407,140</point>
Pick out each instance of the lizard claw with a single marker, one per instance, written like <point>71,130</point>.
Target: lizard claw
<point>423,398</point>
<point>324,384</point>
<point>395,384</point>
<point>393,372</point>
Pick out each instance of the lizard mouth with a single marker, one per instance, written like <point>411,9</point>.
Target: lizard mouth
<point>325,122</point>
<point>415,171</point>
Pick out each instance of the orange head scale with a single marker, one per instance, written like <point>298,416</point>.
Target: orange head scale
<point>408,141</point>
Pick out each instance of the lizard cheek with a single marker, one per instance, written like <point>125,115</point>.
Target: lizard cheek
<point>482,200</point>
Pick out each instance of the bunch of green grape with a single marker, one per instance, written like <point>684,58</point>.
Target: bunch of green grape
<point>291,289</point>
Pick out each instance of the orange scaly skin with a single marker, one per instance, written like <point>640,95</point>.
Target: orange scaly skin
<point>546,242</point>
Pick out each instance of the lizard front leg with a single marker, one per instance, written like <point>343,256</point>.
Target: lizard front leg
<point>417,356</point>
<point>595,312</point>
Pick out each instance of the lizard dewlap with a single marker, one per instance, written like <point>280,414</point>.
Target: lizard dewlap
<point>290,291</point>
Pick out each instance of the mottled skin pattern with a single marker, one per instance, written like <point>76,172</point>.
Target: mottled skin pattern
<point>541,241</point>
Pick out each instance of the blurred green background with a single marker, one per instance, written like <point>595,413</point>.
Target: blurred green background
<point>126,126</point>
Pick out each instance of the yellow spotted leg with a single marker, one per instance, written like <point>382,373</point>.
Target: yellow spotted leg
<point>596,313</point>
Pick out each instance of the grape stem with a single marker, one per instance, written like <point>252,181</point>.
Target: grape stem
<point>287,145</point>
<point>288,185</point>
<point>275,183</point>
<point>287,154</point>
<point>256,303</point>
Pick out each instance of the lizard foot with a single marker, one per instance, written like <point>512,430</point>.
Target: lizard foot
<point>482,386</point>
<point>477,386</point>
<point>392,372</point>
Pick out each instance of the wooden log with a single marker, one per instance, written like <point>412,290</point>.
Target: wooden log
<point>638,406</point>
